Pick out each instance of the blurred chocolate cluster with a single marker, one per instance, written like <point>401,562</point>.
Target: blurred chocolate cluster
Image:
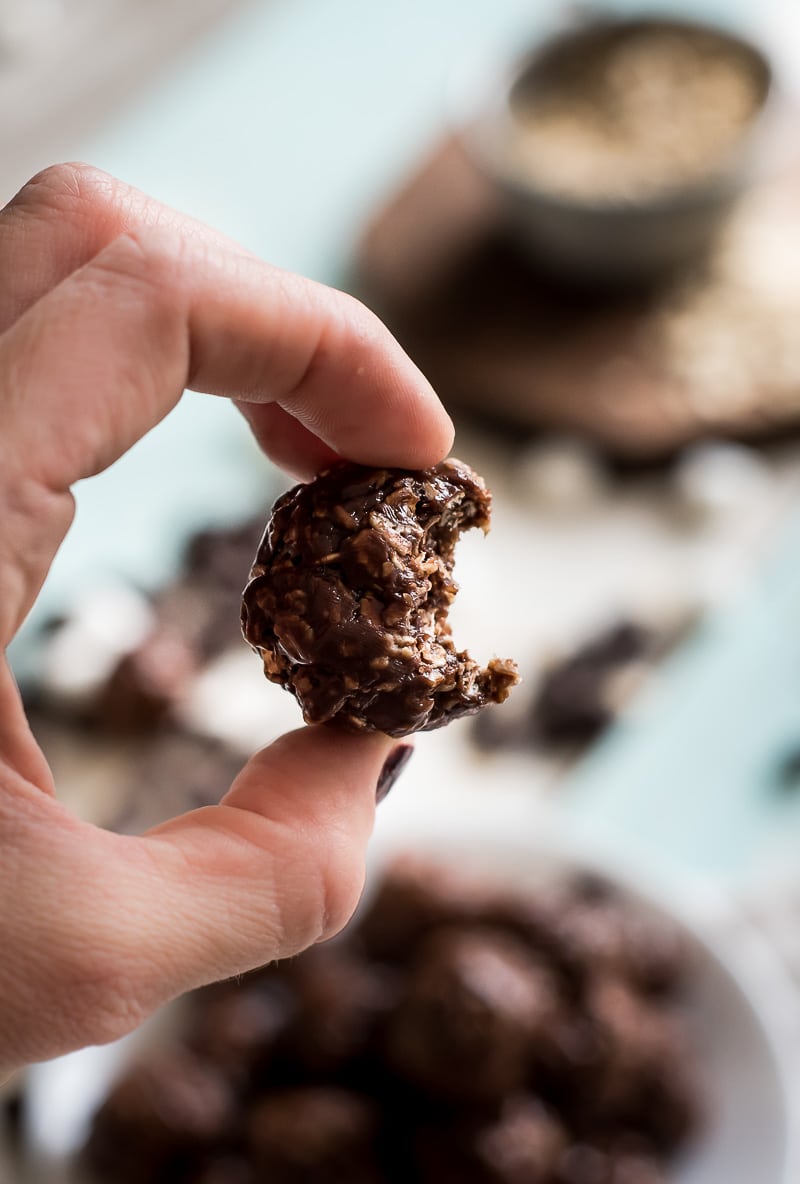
<point>457,1032</point>
<point>577,696</point>
<point>115,673</point>
<point>120,661</point>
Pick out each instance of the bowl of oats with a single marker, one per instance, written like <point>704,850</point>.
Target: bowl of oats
<point>620,146</point>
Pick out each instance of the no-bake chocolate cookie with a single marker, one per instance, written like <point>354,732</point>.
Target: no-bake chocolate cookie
<point>521,1145</point>
<point>476,1006</point>
<point>326,1135</point>
<point>348,598</point>
<point>159,1120</point>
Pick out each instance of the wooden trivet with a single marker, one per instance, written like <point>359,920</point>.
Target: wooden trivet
<point>641,374</point>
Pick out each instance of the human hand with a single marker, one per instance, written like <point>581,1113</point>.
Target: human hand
<point>110,305</point>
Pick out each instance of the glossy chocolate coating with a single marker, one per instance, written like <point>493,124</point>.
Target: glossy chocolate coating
<point>348,598</point>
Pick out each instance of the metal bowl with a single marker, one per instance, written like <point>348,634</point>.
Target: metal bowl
<point>601,233</point>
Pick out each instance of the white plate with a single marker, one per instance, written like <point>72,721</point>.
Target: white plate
<point>742,1006</point>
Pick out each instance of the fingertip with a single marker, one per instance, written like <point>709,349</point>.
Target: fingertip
<point>418,431</point>
<point>448,431</point>
<point>320,764</point>
<point>362,394</point>
<point>436,429</point>
<point>280,863</point>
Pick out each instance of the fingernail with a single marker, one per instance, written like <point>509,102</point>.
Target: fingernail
<point>395,762</point>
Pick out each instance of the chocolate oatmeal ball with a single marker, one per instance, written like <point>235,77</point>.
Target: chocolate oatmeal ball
<point>144,686</point>
<point>623,1061</point>
<point>340,1005</point>
<point>224,1169</point>
<point>324,1135</point>
<point>348,598</point>
<point>239,1028</point>
<point>476,1006</point>
<point>522,1145</point>
<point>168,1113</point>
<point>578,696</point>
<point>583,1163</point>
<point>202,603</point>
<point>598,934</point>
<point>416,897</point>
<point>412,900</point>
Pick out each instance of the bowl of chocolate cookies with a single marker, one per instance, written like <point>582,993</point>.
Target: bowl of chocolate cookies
<point>494,1014</point>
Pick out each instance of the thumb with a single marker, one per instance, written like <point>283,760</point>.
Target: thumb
<point>100,929</point>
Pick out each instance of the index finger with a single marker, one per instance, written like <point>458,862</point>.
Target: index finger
<point>61,219</point>
<point>99,360</point>
<point>69,214</point>
<point>106,354</point>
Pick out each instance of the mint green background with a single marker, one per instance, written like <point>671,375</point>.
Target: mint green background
<point>283,129</point>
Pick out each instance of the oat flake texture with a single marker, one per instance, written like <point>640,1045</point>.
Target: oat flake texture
<point>348,598</point>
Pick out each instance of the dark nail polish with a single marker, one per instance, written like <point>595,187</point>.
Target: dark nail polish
<point>395,762</point>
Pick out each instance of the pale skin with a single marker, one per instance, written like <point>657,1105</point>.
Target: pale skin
<point>110,305</point>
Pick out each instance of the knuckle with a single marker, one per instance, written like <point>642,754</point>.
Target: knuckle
<point>150,265</point>
<point>28,503</point>
<point>146,255</point>
<point>68,186</point>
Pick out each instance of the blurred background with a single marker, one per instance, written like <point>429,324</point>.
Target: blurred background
<point>584,224</point>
